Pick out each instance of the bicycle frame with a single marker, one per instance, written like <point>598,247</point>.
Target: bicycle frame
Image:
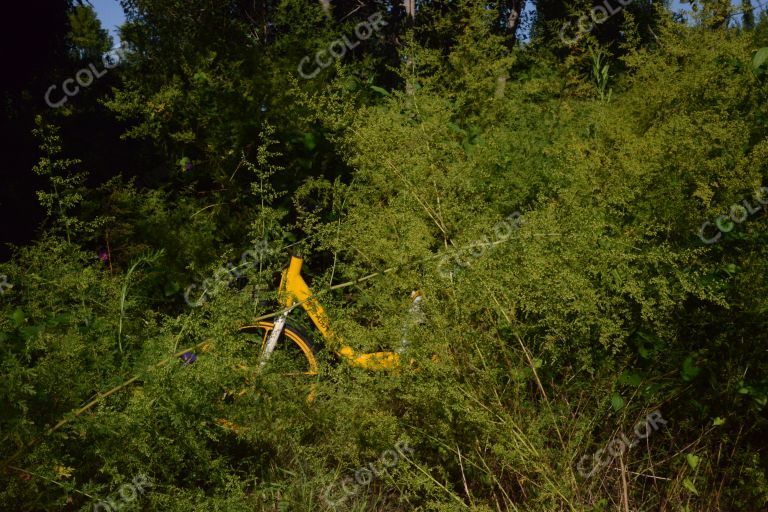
<point>294,292</point>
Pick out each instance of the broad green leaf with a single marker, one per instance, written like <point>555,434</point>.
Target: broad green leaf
<point>380,90</point>
<point>760,58</point>
<point>688,484</point>
<point>617,402</point>
<point>693,460</point>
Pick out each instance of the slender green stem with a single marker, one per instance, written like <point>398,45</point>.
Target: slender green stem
<point>41,477</point>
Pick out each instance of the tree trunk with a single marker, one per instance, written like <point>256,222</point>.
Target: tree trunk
<point>326,7</point>
<point>410,8</point>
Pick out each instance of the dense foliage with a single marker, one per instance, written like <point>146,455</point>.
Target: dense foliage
<point>585,220</point>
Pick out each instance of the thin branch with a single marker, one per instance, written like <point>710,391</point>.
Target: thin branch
<point>41,477</point>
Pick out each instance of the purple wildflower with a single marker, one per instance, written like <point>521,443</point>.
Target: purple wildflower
<point>103,255</point>
<point>188,358</point>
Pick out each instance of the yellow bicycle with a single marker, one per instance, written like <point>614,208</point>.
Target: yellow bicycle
<point>288,348</point>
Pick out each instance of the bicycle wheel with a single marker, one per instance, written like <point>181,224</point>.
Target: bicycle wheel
<point>294,357</point>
